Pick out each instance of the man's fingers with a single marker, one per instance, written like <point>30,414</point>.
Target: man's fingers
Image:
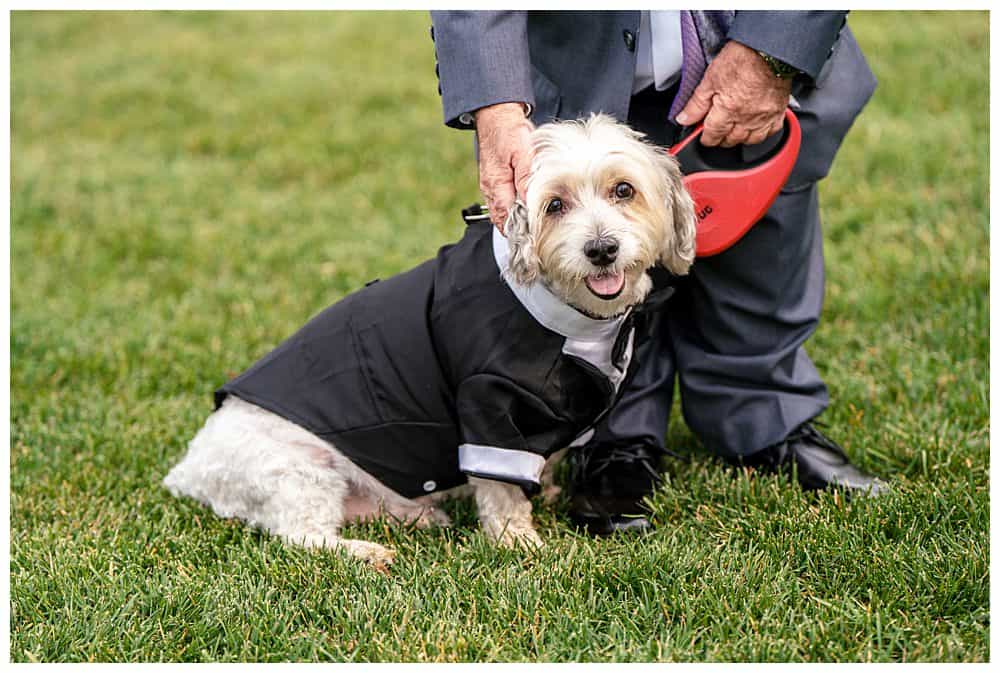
<point>738,135</point>
<point>721,128</point>
<point>499,198</point>
<point>522,169</point>
<point>497,218</point>
<point>718,125</point>
<point>698,106</point>
<point>758,136</point>
<point>711,137</point>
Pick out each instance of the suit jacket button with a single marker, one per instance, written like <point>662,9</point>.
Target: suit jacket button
<point>629,40</point>
<point>429,486</point>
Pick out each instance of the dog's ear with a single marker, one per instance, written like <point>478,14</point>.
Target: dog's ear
<point>677,252</point>
<point>524,266</point>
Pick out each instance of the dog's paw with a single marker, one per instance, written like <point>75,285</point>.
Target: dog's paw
<point>439,518</point>
<point>369,552</point>
<point>550,494</point>
<point>519,538</point>
<point>433,516</point>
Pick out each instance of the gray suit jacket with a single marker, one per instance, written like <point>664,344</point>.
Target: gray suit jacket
<point>570,64</point>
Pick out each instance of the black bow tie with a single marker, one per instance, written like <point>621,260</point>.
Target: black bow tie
<point>640,318</point>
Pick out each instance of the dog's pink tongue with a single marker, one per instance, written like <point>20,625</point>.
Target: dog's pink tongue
<point>607,284</point>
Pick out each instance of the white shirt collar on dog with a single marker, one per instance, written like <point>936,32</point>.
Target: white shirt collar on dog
<point>549,310</point>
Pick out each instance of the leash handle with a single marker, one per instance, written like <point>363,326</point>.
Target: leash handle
<point>730,195</point>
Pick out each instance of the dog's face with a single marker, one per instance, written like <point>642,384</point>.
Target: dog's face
<point>602,207</point>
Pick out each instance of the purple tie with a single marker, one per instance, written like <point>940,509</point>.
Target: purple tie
<point>693,64</point>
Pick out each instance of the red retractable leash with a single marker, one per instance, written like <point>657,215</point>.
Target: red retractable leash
<point>731,196</point>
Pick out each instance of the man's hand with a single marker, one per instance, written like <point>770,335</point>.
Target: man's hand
<point>740,99</point>
<point>504,156</point>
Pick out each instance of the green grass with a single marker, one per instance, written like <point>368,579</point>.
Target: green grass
<point>189,188</point>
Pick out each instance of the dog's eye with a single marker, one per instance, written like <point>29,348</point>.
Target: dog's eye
<point>555,206</point>
<point>624,190</point>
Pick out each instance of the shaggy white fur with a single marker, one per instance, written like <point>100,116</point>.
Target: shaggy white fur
<point>254,465</point>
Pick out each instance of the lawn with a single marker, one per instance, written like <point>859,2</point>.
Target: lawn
<point>188,188</point>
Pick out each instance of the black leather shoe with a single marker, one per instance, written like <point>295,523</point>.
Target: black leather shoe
<point>818,462</point>
<point>609,482</point>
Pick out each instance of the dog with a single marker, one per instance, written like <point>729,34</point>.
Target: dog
<point>472,372</point>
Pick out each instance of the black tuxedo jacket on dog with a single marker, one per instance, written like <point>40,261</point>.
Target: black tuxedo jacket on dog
<point>444,371</point>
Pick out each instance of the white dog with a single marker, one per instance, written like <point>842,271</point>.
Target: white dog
<point>475,367</point>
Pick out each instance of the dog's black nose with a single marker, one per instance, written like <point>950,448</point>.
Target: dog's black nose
<point>601,251</point>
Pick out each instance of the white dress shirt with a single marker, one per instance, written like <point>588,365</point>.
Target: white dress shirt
<point>658,54</point>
